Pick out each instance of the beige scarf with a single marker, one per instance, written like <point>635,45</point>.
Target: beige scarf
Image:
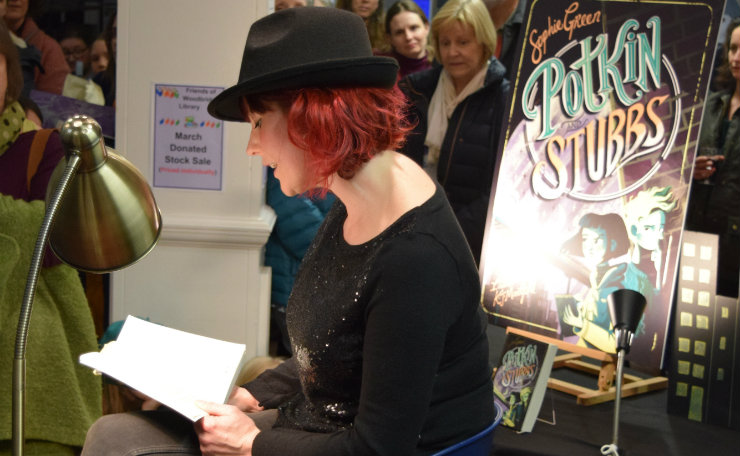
<point>443,104</point>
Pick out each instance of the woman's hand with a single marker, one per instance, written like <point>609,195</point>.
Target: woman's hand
<point>706,165</point>
<point>243,400</point>
<point>226,430</point>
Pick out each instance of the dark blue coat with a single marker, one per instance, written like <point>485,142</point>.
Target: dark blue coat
<point>470,147</point>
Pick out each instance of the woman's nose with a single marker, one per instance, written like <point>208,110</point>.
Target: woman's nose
<point>252,146</point>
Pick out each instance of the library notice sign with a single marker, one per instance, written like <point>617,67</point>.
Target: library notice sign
<point>188,142</point>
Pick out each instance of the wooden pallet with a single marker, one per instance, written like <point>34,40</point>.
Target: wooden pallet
<point>605,373</point>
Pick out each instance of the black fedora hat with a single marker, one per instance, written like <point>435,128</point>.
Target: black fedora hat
<point>305,47</point>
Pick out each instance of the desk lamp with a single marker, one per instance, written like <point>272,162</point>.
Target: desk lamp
<point>625,310</point>
<point>100,216</point>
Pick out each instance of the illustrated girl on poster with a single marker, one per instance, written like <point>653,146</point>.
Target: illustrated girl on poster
<point>601,245</point>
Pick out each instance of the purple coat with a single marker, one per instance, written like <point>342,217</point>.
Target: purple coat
<point>14,173</point>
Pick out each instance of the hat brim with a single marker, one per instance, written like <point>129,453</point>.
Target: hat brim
<point>372,71</point>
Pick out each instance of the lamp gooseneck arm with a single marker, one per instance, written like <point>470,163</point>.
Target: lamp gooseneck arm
<point>19,362</point>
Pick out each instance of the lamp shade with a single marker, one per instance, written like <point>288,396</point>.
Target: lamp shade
<point>626,308</point>
<point>108,218</point>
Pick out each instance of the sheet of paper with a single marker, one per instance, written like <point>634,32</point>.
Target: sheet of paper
<point>174,367</point>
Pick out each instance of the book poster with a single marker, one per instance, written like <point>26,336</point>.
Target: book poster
<point>188,142</point>
<point>598,150</point>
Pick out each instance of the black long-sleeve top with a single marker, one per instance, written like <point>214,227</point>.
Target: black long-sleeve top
<point>390,350</point>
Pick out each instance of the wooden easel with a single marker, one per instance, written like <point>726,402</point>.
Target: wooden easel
<point>631,386</point>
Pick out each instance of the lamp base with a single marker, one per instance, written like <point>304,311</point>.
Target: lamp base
<point>611,450</point>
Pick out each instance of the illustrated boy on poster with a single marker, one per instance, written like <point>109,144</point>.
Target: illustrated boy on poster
<point>645,216</point>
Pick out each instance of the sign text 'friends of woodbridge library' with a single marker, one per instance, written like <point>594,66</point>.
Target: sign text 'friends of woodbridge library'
<point>188,142</point>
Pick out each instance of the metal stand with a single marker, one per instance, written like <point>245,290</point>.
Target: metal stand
<point>108,196</point>
<point>612,449</point>
<point>623,337</point>
<point>19,361</point>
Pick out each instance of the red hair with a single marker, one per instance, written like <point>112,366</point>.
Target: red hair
<point>339,128</point>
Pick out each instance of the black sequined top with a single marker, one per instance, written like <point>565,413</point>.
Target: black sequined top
<point>390,351</point>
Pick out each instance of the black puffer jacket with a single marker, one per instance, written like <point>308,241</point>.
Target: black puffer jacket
<point>468,155</point>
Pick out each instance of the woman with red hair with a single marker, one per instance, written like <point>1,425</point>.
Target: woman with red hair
<point>390,354</point>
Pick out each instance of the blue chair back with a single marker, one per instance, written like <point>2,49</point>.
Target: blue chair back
<point>477,445</point>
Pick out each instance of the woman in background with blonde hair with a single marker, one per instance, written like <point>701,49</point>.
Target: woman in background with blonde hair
<point>458,108</point>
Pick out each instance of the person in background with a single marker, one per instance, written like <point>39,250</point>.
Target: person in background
<point>76,40</point>
<point>458,111</point>
<point>715,190</point>
<point>98,55</point>
<point>389,339</point>
<point>55,68</point>
<point>18,134</point>
<point>373,13</point>
<point>107,79</point>
<point>407,32</point>
<point>63,397</point>
<point>507,17</point>
<point>285,4</point>
<point>30,57</point>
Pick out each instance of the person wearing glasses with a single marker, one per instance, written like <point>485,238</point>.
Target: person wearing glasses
<point>76,41</point>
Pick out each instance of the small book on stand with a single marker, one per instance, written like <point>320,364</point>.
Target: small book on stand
<point>171,366</point>
<point>520,380</point>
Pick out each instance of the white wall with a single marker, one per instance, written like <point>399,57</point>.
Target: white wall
<point>205,275</point>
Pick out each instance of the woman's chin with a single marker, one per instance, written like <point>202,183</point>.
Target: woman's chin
<point>288,191</point>
<point>293,190</point>
<point>413,54</point>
